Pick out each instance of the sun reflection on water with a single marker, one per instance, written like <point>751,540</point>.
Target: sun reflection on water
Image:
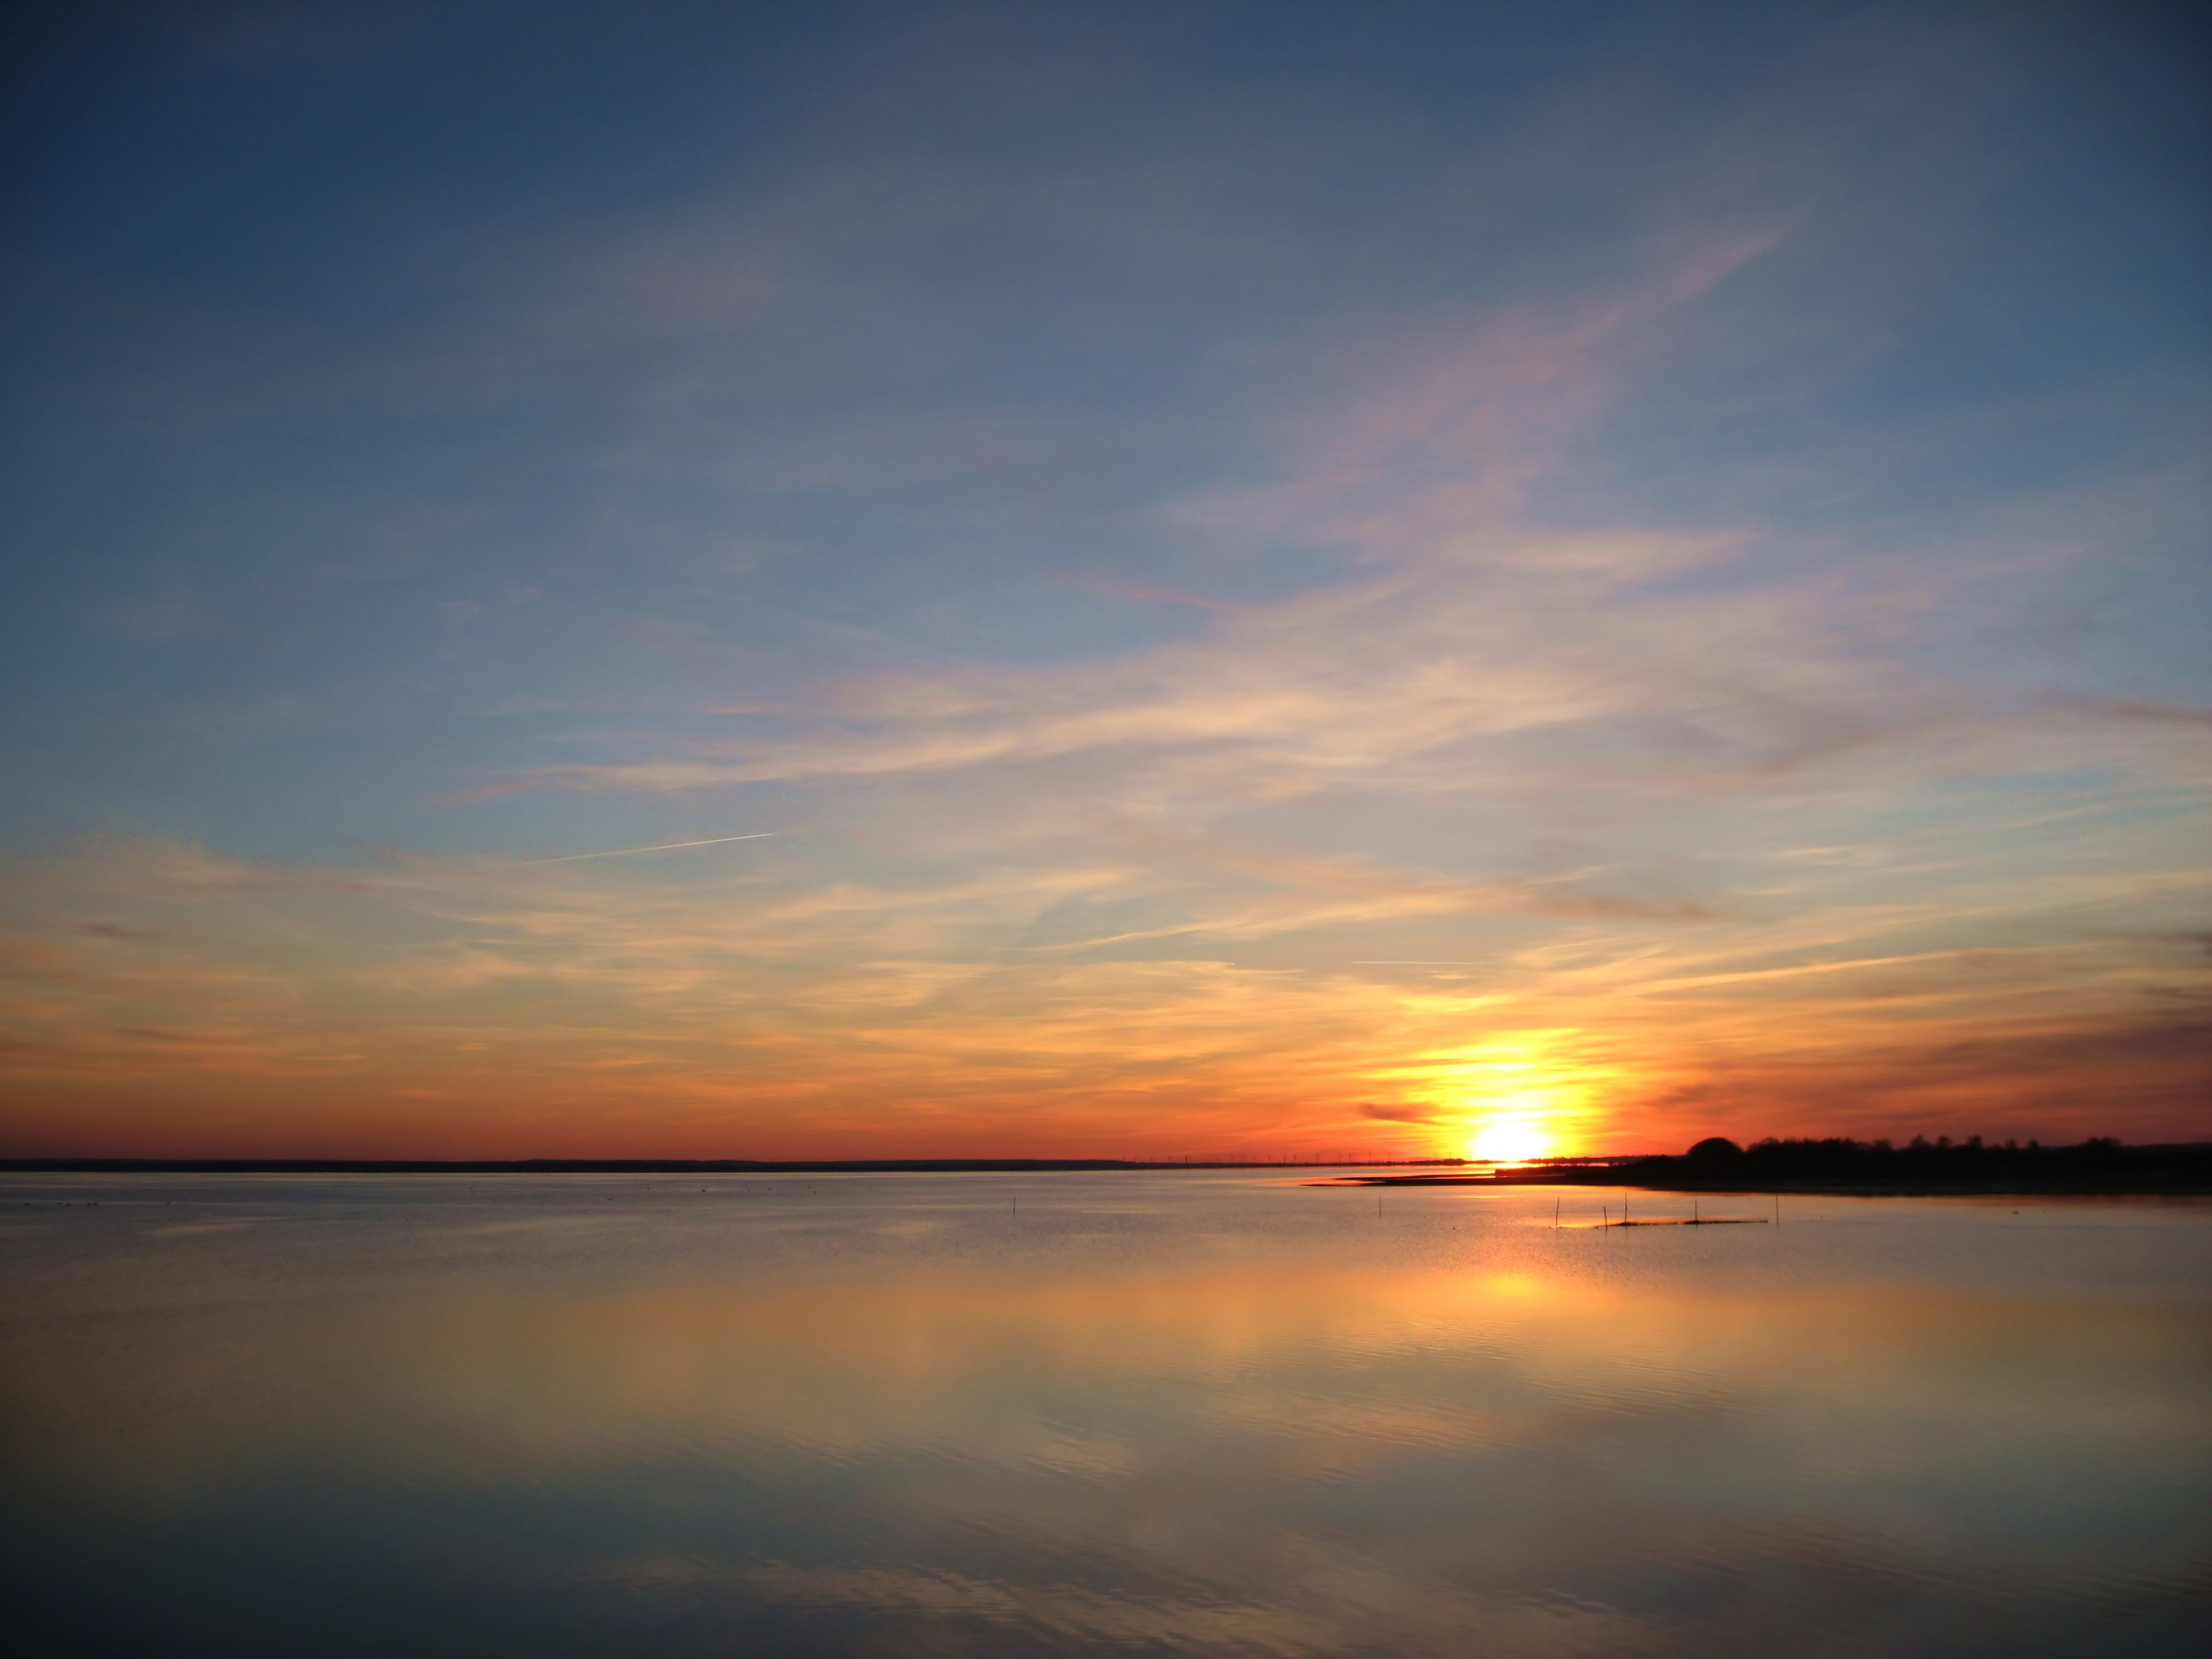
<point>1161,1411</point>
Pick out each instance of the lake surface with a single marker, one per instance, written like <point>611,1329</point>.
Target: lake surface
<point>1172,1413</point>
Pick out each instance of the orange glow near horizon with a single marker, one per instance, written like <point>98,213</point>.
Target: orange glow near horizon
<point>216,1007</point>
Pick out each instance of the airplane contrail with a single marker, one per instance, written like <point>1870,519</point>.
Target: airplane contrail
<point>664,846</point>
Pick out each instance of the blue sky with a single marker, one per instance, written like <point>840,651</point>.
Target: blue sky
<point>1280,575</point>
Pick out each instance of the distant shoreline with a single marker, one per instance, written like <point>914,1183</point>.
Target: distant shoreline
<point>2078,1188</point>
<point>1839,1168</point>
<point>673,1165</point>
<point>1851,1169</point>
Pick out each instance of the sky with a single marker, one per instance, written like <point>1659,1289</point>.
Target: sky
<point>1258,580</point>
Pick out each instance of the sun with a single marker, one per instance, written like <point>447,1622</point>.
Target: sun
<point>1510,1098</point>
<point>1510,1140</point>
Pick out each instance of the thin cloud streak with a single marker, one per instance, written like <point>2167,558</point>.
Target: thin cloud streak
<point>660,846</point>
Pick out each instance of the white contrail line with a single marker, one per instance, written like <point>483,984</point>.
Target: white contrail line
<point>664,846</point>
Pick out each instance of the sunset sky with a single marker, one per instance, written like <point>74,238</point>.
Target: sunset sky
<point>1264,578</point>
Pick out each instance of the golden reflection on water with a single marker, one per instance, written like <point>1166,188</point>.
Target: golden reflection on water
<point>1345,1365</point>
<point>1268,1458</point>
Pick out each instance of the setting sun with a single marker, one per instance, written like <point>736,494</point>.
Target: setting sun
<point>1510,1140</point>
<point>1513,1096</point>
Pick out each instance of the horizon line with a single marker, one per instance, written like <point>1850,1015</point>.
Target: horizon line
<point>65,1162</point>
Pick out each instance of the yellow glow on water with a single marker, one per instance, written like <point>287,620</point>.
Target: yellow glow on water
<point>1518,1287</point>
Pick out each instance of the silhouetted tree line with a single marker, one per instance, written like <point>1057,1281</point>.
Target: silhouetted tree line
<point>1942,1152</point>
<point>1969,1161</point>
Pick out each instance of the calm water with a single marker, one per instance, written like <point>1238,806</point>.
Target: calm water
<point>1174,1414</point>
